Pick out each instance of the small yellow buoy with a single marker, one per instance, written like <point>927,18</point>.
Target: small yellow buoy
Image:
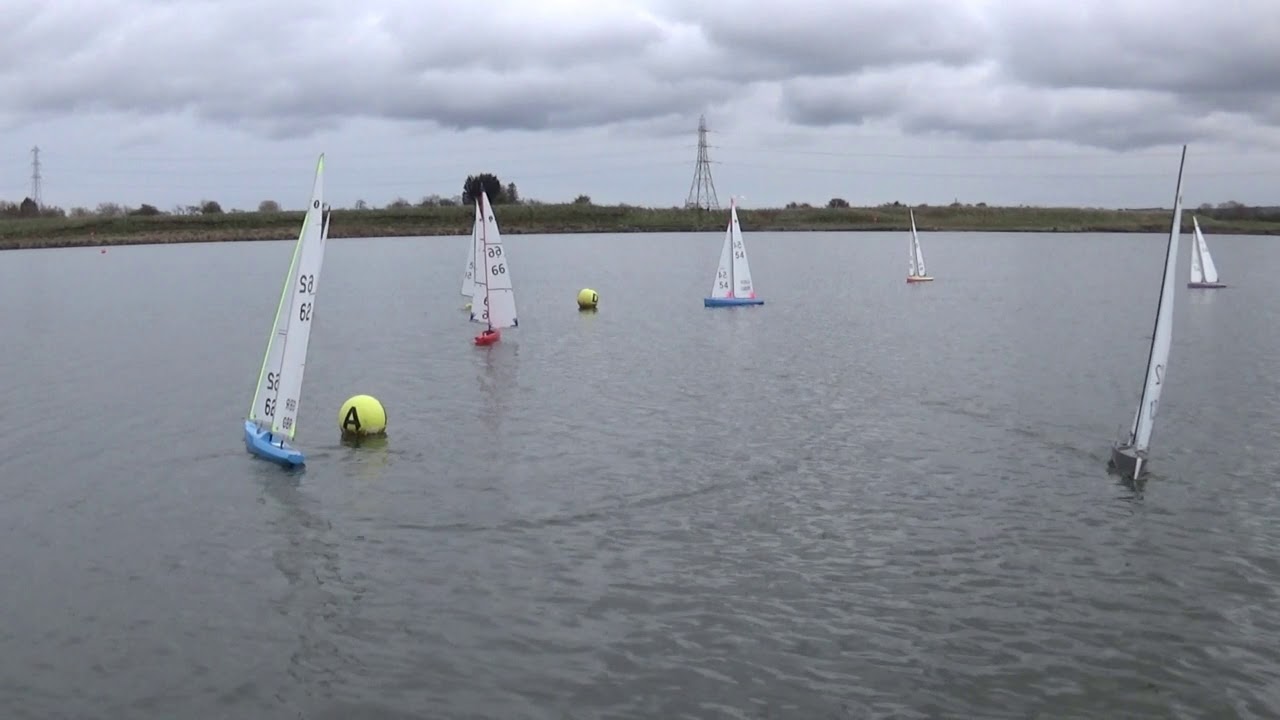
<point>467,306</point>
<point>362,415</point>
<point>587,299</point>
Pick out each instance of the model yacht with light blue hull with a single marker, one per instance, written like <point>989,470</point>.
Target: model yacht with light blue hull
<point>273,417</point>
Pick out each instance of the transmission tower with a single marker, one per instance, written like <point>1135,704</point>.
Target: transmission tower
<point>702,193</point>
<point>35,176</point>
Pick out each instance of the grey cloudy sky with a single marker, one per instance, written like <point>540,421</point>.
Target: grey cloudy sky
<point>1043,102</point>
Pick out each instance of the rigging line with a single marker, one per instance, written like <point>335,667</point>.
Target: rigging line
<point>865,172</point>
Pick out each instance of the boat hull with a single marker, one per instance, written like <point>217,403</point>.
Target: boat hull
<point>259,442</point>
<point>919,278</point>
<point>730,301</point>
<point>1205,285</point>
<point>1127,461</point>
<point>488,337</point>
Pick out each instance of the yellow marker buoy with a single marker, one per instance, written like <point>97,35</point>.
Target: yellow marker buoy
<point>362,415</point>
<point>587,299</point>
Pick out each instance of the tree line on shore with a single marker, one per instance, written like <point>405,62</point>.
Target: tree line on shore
<point>499,194</point>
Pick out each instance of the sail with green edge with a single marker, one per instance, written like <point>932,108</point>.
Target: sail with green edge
<point>263,410</point>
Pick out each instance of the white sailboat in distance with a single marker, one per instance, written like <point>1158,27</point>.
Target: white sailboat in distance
<point>915,261</point>
<point>469,274</point>
<point>732,285</point>
<point>1204,273</point>
<point>493,279</point>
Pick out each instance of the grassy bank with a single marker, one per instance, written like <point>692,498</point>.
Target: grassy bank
<point>571,218</point>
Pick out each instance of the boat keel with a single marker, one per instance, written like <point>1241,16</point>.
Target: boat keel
<point>1126,461</point>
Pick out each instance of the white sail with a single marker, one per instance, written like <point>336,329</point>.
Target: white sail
<point>741,270</point>
<point>722,285</point>
<point>479,283</point>
<point>304,286</point>
<point>468,276</point>
<point>1202,260</point>
<point>915,266</point>
<point>1161,337</point>
<point>498,308</point>
<point>1197,268</point>
<point>262,411</point>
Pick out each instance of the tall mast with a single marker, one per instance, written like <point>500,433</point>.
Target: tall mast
<point>484,253</point>
<point>1175,231</point>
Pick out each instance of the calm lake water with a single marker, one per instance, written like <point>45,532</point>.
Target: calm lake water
<point>862,499</point>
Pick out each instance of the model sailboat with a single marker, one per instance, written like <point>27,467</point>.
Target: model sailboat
<point>1204,274</point>
<point>468,276</point>
<point>273,417</point>
<point>732,284</point>
<point>1130,456</point>
<point>493,281</point>
<point>915,260</point>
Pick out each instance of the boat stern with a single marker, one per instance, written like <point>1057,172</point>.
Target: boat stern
<point>259,441</point>
<point>488,337</point>
<point>1127,461</point>
<point>1205,285</point>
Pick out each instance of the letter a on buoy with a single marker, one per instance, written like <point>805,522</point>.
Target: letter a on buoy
<point>362,415</point>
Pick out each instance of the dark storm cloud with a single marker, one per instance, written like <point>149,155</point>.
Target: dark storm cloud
<point>768,39</point>
<point>970,104</point>
<point>1119,74</point>
<point>299,65</point>
<point>1115,75</point>
<point>1179,47</point>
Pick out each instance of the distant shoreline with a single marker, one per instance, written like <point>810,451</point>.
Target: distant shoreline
<point>525,219</point>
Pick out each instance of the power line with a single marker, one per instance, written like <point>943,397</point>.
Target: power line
<point>866,172</point>
<point>982,155</point>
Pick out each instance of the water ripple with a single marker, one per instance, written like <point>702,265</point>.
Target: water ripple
<point>859,500</point>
